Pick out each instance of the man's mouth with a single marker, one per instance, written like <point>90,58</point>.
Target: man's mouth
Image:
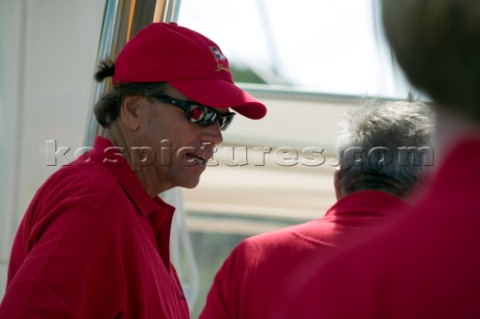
<point>197,159</point>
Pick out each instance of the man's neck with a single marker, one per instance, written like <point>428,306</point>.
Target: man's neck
<point>121,138</point>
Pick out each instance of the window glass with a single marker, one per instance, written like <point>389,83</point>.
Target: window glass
<point>323,45</point>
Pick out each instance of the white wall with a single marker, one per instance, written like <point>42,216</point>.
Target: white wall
<point>47,59</point>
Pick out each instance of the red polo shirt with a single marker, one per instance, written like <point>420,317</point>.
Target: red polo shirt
<point>94,244</point>
<point>427,265</point>
<point>246,285</point>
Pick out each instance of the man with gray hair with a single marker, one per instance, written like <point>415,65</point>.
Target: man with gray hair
<point>426,264</point>
<point>384,147</point>
<point>371,182</point>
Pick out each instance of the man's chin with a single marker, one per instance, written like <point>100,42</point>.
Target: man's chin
<point>190,184</point>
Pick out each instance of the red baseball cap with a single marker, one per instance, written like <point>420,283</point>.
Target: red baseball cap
<point>189,62</point>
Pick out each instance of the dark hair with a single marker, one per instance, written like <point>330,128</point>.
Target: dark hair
<point>438,49</point>
<point>107,109</point>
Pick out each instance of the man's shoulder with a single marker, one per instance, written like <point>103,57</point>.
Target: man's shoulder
<point>84,180</point>
<point>295,236</point>
<point>83,187</point>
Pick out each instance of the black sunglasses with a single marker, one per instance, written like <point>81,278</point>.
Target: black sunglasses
<point>198,113</point>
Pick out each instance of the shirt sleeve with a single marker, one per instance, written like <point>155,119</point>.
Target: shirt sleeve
<point>69,260</point>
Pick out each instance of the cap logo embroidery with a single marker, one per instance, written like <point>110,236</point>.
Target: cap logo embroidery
<point>222,64</point>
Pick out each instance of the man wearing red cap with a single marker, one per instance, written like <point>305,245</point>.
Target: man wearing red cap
<point>94,242</point>
<point>374,176</point>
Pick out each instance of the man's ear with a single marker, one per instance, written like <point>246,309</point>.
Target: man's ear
<point>130,112</point>
<point>336,183</point>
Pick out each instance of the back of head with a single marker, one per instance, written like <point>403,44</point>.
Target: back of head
<point>385,147</point>
<point>437,44</point>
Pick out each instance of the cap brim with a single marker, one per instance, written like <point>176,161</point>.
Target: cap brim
<point>218,93</point>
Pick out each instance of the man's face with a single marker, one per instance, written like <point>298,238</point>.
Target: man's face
<point>180,148</point>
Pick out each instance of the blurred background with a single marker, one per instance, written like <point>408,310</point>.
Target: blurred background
<point>308,61</point>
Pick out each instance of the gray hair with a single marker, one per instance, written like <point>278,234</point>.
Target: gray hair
<point>385,146</point>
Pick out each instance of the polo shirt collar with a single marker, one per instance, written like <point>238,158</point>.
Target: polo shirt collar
<point>117,165</point>
<point>375,203</point>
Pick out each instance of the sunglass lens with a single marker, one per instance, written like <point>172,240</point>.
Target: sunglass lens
<point>205,116</point>
<point>226,120</point>
<point>196,113</point>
